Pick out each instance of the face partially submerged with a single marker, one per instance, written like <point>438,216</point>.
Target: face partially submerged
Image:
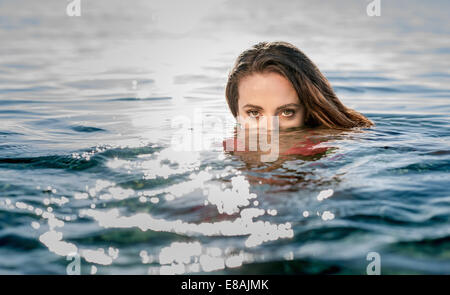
<point>263,95</point>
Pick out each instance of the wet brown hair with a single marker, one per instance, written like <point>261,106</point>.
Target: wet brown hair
<point>322,106</point>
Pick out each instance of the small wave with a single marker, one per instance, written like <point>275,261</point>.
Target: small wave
<point>17,242</point>
<point>45,162</point>
<point>87,129</point>
<point>81,160</point>
<point>141,99</point>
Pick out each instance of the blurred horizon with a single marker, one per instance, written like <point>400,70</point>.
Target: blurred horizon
<point>86,106</point>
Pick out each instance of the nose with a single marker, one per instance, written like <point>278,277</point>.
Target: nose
<point>264,122</point>
<point>269,122</point>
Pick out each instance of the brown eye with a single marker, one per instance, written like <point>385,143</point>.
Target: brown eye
<point>287,113</point>
<point>253,114</point>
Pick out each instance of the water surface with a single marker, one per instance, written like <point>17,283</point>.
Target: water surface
<point>87,162</point>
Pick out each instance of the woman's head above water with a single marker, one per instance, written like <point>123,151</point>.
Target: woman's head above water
<point>277,79</point>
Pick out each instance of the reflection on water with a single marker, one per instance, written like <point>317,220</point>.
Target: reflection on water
<point>88,163</point>
<point>305,145</point>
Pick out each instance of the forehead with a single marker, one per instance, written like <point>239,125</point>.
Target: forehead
<point>266,89</point>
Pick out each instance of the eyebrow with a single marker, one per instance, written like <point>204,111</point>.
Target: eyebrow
<point>289,105</point>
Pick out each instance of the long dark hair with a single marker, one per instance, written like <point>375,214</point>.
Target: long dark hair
<point>322,106</point>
